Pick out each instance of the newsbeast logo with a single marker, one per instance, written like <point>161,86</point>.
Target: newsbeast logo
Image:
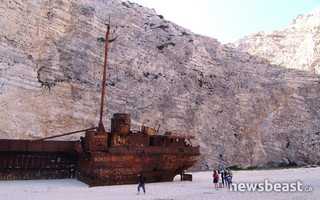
<point>267,186</point>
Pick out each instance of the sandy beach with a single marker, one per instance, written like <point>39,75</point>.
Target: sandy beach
<point>200,188</point>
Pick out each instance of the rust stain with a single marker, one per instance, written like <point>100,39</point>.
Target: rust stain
<point>100,158</point>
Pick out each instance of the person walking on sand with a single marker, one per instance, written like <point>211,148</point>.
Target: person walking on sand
<point>215,179</point>
<point>142,181</point>
<point>222,176</point>
<point>226,175</point>
<point>229,178</point>
<point>219,179</point>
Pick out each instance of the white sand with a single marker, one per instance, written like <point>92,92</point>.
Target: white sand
<point>200,188</point>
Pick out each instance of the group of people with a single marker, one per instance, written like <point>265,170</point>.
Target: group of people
<point>222,178</point>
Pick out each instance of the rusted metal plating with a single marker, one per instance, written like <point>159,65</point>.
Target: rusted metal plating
<point>119,156</point>
<point>26,159</point>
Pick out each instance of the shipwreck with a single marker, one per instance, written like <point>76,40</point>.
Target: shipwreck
<point>100,157</point>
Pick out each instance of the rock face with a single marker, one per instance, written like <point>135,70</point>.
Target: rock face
<point>252,103</point>
<point>296,47</point>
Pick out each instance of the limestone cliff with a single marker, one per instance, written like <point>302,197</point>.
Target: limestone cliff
<point>246,104</point>
<point>296,47</point>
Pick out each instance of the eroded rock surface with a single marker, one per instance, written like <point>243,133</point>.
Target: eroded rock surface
<point>252,103</point>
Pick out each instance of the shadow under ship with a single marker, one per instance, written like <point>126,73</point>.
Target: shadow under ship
<point>100,158</point>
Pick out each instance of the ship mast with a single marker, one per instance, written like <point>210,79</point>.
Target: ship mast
<point>101,127</point>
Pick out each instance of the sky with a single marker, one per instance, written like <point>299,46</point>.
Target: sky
<point>230,20</point>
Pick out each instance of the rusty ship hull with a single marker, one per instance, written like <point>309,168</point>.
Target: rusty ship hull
<point>27,159</point>
<point>119,156</point>
<point>122,165</point>
<point>100,158</point>
<point>123,168</point>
